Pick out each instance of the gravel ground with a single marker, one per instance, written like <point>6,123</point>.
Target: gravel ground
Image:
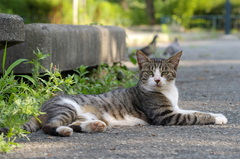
<point>208,80</point>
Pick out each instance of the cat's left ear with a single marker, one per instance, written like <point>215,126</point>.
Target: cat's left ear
<point>141,58</point>
<point>175,59</point>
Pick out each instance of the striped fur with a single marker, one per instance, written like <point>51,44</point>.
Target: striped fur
<point>154,100</point>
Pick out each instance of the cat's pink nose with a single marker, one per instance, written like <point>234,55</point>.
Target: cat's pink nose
<point>157,80</point>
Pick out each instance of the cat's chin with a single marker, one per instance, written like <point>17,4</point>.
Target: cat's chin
<point>161,87</point>
<point>153,88</point>
<point>157,85</point>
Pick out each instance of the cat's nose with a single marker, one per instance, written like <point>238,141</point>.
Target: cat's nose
<point>157,80</point>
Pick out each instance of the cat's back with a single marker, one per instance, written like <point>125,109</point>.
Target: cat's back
<point>122,96</point>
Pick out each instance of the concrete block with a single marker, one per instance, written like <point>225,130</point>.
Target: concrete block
<point>69,45</point>
<point>11,29</point>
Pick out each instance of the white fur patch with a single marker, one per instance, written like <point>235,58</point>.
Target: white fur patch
<point>171,92</point>
<point>157,75</point>
<point>65,130</point>
<point>220,119</point>
<point>73,103</point>
<point>89,116</point>
<point>127,121</point>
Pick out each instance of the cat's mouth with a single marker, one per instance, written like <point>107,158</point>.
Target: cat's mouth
<point>158,84</point>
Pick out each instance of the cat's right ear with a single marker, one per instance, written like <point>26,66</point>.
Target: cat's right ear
<point>141,58</point>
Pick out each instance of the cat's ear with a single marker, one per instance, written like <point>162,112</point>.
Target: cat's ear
<point>141,58</point>
<point>175,59</point>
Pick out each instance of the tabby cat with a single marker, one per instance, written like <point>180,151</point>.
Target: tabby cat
<point>154,100</point>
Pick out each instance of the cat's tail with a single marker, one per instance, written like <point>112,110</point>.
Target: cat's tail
<point>34,124</point>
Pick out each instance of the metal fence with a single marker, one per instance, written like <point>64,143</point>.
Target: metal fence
<point>207,21</point>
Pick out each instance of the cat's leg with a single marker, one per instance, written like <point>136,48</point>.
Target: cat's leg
<point>89,126</point>
<point>188,117</point>
<point>208,118</point>
<point>56,125</point>
<point>88,122</point>
<point>56,129</point>
<point>203,117</point>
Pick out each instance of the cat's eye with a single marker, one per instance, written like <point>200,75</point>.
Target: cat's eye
<point>164,73</point>
<point>150,73</point>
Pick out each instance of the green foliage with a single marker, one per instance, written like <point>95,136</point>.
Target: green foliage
<point>102,79</point>
<point>22,95</point>
<point>106,12</point>
<point>181,11</point>
<point>132,56</point>
<point>113,12</point>
<point>39,10</point>
<point>7,146</point>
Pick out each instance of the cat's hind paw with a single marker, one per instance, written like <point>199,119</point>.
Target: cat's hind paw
<point>220,119</point>
<point>98,126</point>
<point>94,126</point>
<point>64,131</point>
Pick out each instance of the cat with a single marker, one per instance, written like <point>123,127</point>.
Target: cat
<point>153,101</point>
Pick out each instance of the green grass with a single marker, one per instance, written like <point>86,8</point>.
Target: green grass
<point>22,95</point>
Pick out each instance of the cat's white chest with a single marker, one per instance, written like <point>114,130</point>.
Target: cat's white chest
<point>172,94</point>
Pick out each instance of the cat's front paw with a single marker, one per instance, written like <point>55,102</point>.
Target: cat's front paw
<point>220,119</point>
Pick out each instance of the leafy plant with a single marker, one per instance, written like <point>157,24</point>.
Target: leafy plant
<point>132,55</point>
<point>16,104</point>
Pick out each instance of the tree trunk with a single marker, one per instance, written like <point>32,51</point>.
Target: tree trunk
<point>150,11</point>
<point>124,4</point>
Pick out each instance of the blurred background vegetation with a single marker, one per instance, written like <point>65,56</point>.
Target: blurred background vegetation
<point>122,12</point>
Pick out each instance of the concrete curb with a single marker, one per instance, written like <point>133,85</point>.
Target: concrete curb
<point>11,29</point>
<point>69,45</point>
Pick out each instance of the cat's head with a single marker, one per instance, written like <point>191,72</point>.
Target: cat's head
<point>157,74</point>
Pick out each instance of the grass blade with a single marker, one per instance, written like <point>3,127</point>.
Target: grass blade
<point>4,58</point>
<point>28,78</point>
<point>13,65</point>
